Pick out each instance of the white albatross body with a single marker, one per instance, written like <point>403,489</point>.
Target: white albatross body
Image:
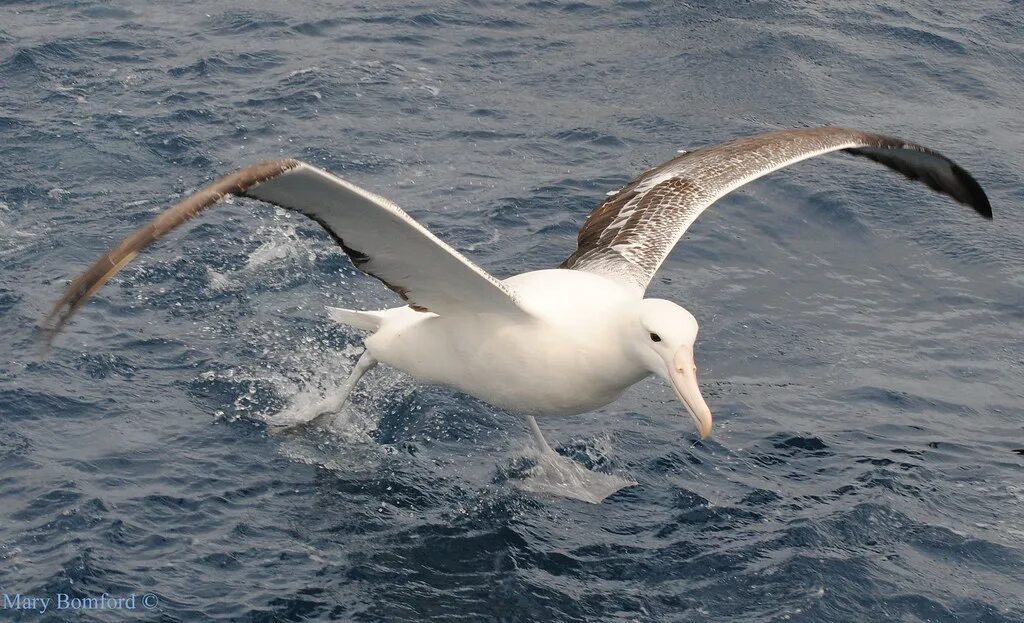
<point>549,342</point>
<point>567,357</point>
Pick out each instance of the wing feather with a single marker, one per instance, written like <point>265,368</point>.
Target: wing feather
<point>630,234</point>
<point>381,240</point>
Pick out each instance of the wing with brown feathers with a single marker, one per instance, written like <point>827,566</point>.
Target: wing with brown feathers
<point>631,233</point>
<point>380,238</point>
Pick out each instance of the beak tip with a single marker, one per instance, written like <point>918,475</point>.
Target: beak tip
<point>703,423</point>
<point>705,431</point>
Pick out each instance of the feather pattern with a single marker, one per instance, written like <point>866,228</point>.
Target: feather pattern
<point>378,236</point>
<point>630,234</point>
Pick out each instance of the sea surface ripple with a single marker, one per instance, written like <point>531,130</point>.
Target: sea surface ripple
<point>862,341</point>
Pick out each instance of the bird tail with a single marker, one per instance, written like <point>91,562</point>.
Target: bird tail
<point>366,320</point>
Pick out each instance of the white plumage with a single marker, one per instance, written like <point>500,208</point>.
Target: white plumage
<point>549,342</point>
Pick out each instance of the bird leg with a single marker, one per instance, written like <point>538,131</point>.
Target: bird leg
<point>538,437</point>
<point>331,406</point>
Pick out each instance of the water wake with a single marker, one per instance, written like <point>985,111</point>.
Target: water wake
<point>553,474</point>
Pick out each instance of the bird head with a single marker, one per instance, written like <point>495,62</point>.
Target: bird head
<point>664,338</point>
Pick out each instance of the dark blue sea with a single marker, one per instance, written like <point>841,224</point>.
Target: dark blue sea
<point>861,345</point>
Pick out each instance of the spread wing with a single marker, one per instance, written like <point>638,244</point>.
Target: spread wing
<point>631,233</point>
<point>381,239</point>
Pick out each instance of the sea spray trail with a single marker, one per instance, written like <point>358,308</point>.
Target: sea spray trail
<point>860,346</point>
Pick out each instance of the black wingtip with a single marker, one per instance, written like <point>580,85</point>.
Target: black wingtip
<point>976,197</point>
<point>927,166</point>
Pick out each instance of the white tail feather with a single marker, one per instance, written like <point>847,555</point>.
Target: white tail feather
<point>366,320</point>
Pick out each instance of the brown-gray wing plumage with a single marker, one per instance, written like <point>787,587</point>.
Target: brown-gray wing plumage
<point>381,239</point>
<point>631,233</point>
<point>108,265</point>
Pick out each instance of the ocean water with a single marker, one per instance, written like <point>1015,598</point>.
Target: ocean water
<point>862,340</point>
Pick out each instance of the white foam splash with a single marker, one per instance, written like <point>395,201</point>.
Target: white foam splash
<point>303,71</point>
<point>490,242</point>
<point>12,240</point>
<point>305,379</point>
<point>218,282</point>
<point>281,244</point>
<point>554,474</point>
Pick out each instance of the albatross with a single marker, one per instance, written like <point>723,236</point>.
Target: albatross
<point>555,341</point>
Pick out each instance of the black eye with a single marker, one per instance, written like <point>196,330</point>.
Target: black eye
<point>655,337</point>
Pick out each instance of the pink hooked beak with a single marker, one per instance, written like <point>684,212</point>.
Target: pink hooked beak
<point>683,375</point>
